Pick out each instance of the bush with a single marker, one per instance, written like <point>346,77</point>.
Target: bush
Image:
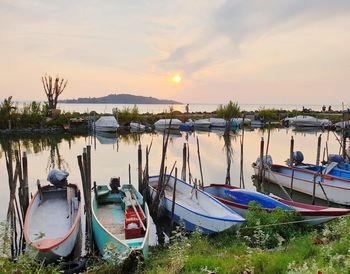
<point>267,230</point>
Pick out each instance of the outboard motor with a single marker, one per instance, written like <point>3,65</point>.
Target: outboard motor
<point>337,159</point>
<point>298,157</point>
<point>115,184</point>
<point>267,161</point>
<point>58,177</point>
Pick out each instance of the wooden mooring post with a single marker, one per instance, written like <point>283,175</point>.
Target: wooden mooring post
<point>200,162</point>
<point>261,167</point>
<point>291,161</point>
<point>174,198</point>
<point>184,160</point>
<point>84,162</point>
<point>241,175</point>
<point>139,168</point>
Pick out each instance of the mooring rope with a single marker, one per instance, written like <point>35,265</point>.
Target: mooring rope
<point>296,222</point>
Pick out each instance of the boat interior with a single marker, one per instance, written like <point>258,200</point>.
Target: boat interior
<point>52,214</point>
<point>115,210</point>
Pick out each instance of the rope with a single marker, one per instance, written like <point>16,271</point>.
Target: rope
<point>295,222</point>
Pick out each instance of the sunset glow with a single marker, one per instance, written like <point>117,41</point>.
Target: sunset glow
<point>176,79</point>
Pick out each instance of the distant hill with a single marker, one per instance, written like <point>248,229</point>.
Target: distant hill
<point>119,99</point>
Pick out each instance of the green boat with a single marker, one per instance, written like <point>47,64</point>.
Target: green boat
<point>120,224</point>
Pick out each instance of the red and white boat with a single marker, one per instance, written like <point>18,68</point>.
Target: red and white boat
<point>52,221</point>
<point>311,214</point>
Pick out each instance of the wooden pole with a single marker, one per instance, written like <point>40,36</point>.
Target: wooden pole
<point>184,158</point>
<point>188,163</point>
<point>291,160</point>
<point>241,176</point>
<point>139,167</point>
<point>261,160</point>
<point>200,162</point>
<point>25,192</point>
<point>318,150</point>
<point>174,198</point>
<point>129,174</point>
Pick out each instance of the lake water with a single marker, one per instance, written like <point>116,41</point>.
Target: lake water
<point>158,108</point>
<point>111,155</point>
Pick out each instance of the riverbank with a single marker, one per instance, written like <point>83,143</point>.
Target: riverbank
<point>322,249</point>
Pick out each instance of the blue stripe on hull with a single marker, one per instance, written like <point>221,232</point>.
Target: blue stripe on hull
<point>188,225</point>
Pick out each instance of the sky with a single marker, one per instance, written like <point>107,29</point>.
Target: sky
<point>249,51</point>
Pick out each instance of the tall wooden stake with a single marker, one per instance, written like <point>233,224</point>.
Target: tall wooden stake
<point>139,167</point>
<point>174,198</point>
<point>184,159</point>
<point>200,162</point>
<point>318,150</point>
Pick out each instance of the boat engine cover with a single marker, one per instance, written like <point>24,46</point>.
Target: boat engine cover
<point>58,177</point>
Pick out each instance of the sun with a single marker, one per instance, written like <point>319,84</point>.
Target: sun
<point>176,78</point>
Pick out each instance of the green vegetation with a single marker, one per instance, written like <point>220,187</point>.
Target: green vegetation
<point>266,243</point>
<point>228,111</point>
<point>294,249</point>
<point>128,114</point>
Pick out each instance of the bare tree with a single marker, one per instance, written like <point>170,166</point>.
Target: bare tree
<point>53,89</point>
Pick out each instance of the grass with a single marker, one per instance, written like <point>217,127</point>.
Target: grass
<point>325,248</point>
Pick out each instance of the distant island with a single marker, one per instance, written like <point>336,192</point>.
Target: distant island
<point>119,99</point>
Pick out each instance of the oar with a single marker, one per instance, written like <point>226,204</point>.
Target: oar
<point>133,206</point>
<point>137,202</point>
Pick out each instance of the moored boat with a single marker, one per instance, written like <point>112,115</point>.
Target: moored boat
<point>335,189</point>
<point>119,221</point>
<point>165,123</point>
<point>106,124</point>
<point>240,201</point>
<point>137,126</point>
<point>194,208</point>
<point>52,221</point>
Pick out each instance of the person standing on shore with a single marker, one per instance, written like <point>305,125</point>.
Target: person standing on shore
<point>187,108</point>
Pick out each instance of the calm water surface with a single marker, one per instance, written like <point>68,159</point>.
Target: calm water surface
<point>111,155</point>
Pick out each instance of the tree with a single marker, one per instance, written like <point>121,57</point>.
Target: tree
<point>53,89</point>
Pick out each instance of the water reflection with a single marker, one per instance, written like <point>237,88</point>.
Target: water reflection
<point>111,155</point>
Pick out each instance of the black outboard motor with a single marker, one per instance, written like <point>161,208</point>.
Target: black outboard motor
<point>298,157</point>
<point>58,178</point>
<point>115,184</point>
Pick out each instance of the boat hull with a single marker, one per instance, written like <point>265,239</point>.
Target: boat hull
<point>191,218</point>
<point>109,243</point>
<point>53,245</point>
<point>311,214</point>
<point>336,189</point>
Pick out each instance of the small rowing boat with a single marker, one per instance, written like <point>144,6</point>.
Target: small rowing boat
<point>194,208</point>
<point>239,200</point>
<point>118,219</point>
<point>52,221</point>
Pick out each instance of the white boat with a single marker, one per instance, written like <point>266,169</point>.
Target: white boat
<point>164,123</point>
<point>52,221</point>
<point>194,208</point>
<point>239,121</point>
<point>213,122</point>
<point>337,189</point>
<point>307,121</point>
<point>201,124</point>
<point>137,126</point>
<point>106,124</point>
<point>343,124</point>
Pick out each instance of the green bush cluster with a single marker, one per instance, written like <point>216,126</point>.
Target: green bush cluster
<point>267,230</point>
<point>128,114</point>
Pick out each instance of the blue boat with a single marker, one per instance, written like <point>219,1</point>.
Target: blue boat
<point>239,200</point>
<point>120,224</point>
